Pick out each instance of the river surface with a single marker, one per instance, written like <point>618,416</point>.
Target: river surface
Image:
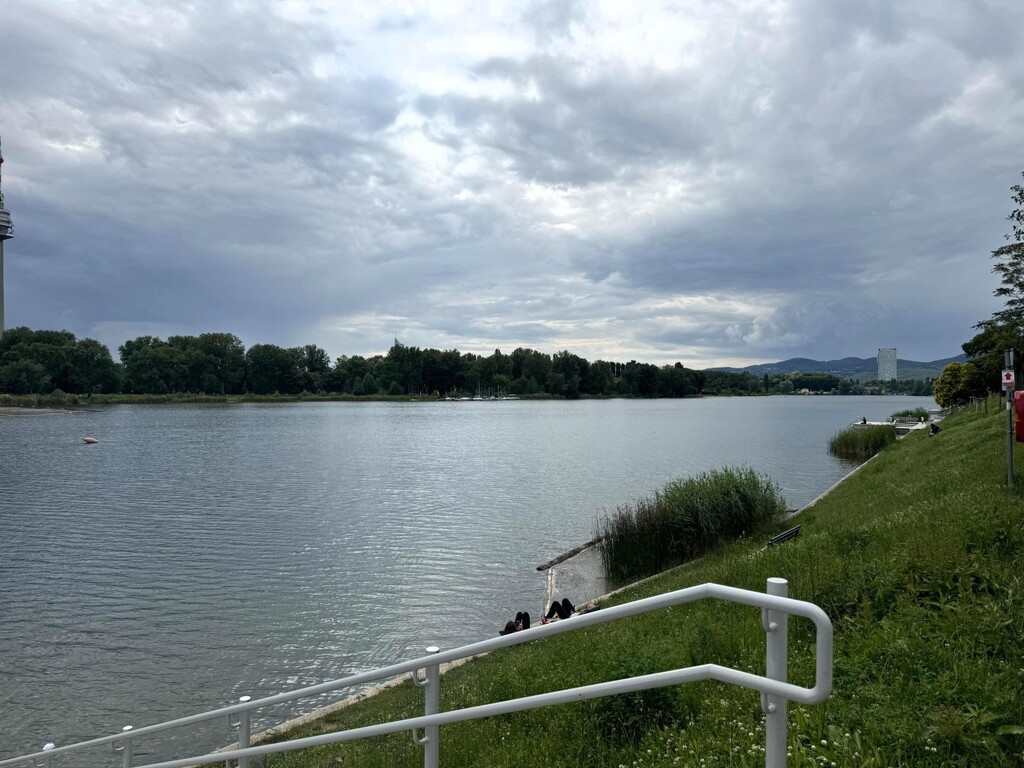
<point>199,553</point>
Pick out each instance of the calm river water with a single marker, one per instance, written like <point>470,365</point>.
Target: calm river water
<point>199,553</point>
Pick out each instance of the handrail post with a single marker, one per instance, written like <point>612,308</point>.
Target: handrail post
<point>243,732</point>
<point>431,683</point>
<point>125,749</point>
<point>48,760</point>
<point>776,627</point>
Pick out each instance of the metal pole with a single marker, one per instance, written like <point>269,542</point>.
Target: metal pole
<point>243,732</point>
<point>432,705</point>
<point>126,749</point>
<point>776,627</point>
<point>1008,359</point>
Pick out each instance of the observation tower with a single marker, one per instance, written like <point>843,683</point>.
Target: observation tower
<point>6,233</point>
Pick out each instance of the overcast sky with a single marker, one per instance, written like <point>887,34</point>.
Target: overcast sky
<point>716,183</point>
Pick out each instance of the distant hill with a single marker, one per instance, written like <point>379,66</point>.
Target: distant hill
<point>859,368</point>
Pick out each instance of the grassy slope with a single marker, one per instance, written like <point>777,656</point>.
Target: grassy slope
<point>917,558</point>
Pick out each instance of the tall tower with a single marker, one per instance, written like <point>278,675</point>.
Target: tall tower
<point>886,363</point>
<point>6,233</point>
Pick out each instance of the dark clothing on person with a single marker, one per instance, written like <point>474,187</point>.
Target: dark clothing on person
<point>522,622</point>
<point>933,429</point>
<point>562,610</point>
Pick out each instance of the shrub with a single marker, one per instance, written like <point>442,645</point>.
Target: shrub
<point>686,519</point>
<point>914,414</point>
<point>862,442</point>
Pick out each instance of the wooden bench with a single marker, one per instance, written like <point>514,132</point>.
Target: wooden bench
<point>792,533</point>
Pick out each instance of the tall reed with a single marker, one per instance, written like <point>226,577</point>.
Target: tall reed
<point>685,519</point>
<point>913,414</point>
<point>862,442</point>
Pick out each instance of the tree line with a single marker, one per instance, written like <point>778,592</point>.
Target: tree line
<point>40,362</point>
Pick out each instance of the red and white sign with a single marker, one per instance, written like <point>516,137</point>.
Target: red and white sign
<point>1008,380</point>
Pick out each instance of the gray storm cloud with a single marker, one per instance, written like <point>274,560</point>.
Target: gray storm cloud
<point>786,179</point>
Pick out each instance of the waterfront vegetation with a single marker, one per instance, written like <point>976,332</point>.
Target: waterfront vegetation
<point>917,558</point>
<point>55,364</point>
<point>911,414</point>
<point>686,519</point>
<point>862,442</point>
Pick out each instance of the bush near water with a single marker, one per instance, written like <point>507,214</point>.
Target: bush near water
<point>865,442</point>
<point>685,519</point>
<point>862,442</point>
<point>917,558</point>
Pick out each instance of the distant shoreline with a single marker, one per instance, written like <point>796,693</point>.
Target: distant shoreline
<point>32,410</point>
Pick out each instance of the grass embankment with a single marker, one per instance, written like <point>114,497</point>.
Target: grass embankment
<point>917,558</point>
<point>684,520</point>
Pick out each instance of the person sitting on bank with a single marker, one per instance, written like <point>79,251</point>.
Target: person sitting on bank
<point>562,610</point>
<point>933,429</point>
<point>522,622</point>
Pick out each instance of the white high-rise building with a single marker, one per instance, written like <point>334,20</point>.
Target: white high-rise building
<point>886,363</point>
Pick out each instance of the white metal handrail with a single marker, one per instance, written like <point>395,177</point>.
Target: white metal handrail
<point>775,690</point>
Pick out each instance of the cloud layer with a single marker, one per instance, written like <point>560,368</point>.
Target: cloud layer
<point>714,183</point>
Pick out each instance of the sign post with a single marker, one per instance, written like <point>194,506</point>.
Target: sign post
<point>1009,384</point>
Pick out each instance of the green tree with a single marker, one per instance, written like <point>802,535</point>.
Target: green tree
<point>273,369</point>
<point>157,369</point>
<point>567,372</point>
<point>1010,266</point>
<point>815,381</point>
<point>132,346</point>
<point>228,362</point>
<point>957,383</point>
<point>536,366</point>
<point>314,367</point>
<point>601,379</point>
<point>93,370</point>
<point>24,377</point>
<point>1005,329</point>
<point>985,351</point>
<point>404,365</point>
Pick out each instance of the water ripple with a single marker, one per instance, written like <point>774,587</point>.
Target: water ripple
<point>196,554</point>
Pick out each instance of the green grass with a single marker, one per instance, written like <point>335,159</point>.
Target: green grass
<point>684,520</point>
<point>862,442</point>
<point>917,558</point>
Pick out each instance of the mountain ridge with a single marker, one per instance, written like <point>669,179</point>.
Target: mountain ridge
<point>849,367</point>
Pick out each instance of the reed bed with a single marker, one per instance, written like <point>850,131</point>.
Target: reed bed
<point>862,442</point>
<point>685,519</point>
<point>911,414</point>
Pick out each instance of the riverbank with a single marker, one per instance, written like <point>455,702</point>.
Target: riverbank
<point>33,411</point>
<point>578,574</point>
<point>916,557</point>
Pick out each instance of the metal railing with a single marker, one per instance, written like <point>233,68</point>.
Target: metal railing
<point>776,691</point>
